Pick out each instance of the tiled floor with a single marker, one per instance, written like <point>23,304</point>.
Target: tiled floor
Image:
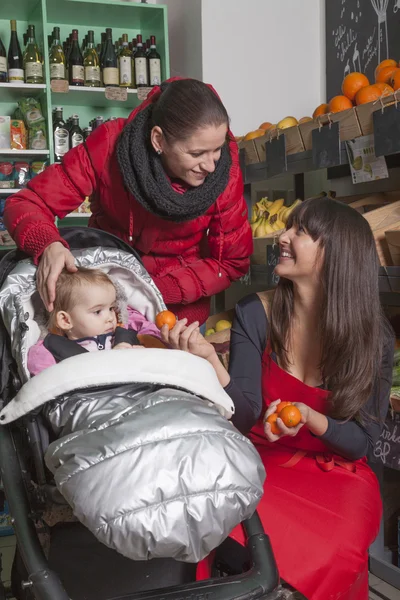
<point>379,590</point>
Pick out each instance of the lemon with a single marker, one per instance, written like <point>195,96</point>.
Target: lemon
<point>210,331</point>
<point>221,325</point>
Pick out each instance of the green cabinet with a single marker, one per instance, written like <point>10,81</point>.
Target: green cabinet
<point>122,16</point>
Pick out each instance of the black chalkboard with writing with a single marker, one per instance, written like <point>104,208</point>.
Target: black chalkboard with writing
<point>359,35</point>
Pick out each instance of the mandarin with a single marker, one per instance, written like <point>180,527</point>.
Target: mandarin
<point>281,406</point>
<point>352,83</point>
<point>339,103</point>
<point>385,74</point>
<point>368,94</point>
<point>272,421</point>
<point>322,109</point>
<point>290,415</point>
<point>166,317</point>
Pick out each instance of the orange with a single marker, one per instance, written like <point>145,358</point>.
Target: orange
<point>281,406</point>
<point>290,415</point>
<point>322,109</point>
<point>272,421</point>
<point>385,74</point>
<point>254,134</point>
<point>304,120</point>
<point>389,62</point>
<point>385,88</point>
<point>265,126</point>
<point>352,83</point>
<point>339,103</point>
<point>166,317</point>
<point>368,94</point>
<point>395,82</point>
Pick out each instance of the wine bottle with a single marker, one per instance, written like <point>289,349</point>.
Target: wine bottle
<point>32,62</point>
<point>61,135</point>
<point>75,62</point>
<point>3,63</point>
<point>75,133</point>
<point>57,57</point>
<point>91,63</point>
<point>110,62</point>
<point>146,46</point>
<point>125,64</point>
<point>15,60</point>
<point>154,63</point>
<point>141,75</point>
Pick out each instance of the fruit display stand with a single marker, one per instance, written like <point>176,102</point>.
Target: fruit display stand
<point>122,17</point>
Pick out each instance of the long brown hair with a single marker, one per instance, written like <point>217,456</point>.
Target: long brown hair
<point>352,326</point>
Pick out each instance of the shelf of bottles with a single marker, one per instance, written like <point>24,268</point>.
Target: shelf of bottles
<point>80,63</point>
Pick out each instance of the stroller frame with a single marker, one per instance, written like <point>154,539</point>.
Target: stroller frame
<point>260,581</point>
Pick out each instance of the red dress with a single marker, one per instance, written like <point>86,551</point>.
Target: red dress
<point>321,512</point>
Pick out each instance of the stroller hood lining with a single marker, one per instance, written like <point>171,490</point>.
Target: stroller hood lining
<point>170,368</point>
<point>22,309</point>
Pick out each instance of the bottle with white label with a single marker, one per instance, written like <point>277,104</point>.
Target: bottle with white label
<point>110,62</point>
<point>15,60</point>
<point>75,62</point>
<point>154,63</point>
<point>33,65</point>
<point>56,57</point>
<point>75,133</point>
<point>91,63</point>
<point>125,61</point>
<point>61,135</point>
<point>3,63</point>
<point>141,73</point>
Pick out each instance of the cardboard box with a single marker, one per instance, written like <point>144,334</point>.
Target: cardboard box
<point>349,126</point>
<point>393,242</point>
<point>385,218</point>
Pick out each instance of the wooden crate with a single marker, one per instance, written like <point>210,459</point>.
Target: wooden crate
<point>348,124</point>
<point>294,142</point>
<point>365,113</point>
<point>250,151</point>
<point>393,242</point>
<point>385,218</point>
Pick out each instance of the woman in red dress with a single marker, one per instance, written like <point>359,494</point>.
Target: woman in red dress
<point>320,341</point>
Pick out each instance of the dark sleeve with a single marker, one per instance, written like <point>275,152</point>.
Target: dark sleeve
<point>354,440</point>
<point>248,340</point>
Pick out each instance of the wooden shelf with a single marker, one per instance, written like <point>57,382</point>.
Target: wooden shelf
<point>6,191</point>
<point>14,153</point>
<point>95,97</point>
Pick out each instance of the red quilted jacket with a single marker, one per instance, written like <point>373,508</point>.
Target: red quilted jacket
<point>189,262</point>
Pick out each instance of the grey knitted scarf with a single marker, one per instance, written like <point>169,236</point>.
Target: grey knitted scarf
<point>146,180</point>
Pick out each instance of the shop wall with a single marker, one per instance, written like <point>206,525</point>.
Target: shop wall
<point>267,63</point>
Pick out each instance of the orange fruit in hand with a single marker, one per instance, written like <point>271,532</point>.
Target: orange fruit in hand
<point>389,62</point>
<point>385,88</point>
<point>352,83</point>
<point>272,421</point>
<point>290,415</point>
<point>368,94</point>
<point>339,103</point>
<point>281,406</point>
<point>322,109</point>
<point>166,317</point>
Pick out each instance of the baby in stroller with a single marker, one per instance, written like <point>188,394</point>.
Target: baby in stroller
<point>87,313</point>
<point>139,446</point>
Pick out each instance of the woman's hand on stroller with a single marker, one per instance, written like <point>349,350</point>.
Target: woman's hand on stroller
<point>53,260</point>
<point>188,338</point>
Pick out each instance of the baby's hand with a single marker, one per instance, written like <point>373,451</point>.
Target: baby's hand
<point>123,346</point>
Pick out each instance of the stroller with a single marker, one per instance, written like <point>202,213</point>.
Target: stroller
<point>65,560</point>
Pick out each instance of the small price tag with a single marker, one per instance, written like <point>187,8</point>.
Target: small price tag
<point>326,146</point>
<point>143,92</point>
<point>387,131</point>
<point>116,93</point>
<point>275,152</point>
<point>273,253</point>
<point>61,86</point>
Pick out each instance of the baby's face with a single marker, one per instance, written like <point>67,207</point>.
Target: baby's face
<point>95,312</point>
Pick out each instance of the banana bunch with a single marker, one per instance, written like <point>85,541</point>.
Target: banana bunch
<point>269,217</point>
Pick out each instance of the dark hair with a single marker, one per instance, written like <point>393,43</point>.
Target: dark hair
<point>186,105</point>
<point>352,326</point>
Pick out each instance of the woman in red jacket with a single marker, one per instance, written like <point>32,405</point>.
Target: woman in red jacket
<point>166,180</point>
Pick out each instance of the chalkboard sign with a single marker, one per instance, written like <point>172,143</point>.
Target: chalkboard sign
<point>273,253</point>
<point>387,448</point>
<point>359,35</point>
